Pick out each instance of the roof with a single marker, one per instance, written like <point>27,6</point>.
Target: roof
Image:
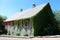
<point>27,13</point>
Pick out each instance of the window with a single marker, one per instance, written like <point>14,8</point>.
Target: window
<point>27,24</point>
<point>8,23</point>
<point>12,23</point>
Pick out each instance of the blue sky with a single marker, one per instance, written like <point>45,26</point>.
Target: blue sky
<point>10,7</point>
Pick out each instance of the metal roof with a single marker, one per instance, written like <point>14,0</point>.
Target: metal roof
<point>27,13</point>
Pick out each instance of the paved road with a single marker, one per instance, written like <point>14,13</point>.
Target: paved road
<point>7,38</point>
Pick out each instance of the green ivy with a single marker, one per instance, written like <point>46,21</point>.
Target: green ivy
<point>41,21</point>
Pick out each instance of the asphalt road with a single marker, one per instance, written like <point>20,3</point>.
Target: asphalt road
<point>9,38</point>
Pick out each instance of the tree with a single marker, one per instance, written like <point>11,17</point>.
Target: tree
<point>57,17</point>
<point>2,28</point>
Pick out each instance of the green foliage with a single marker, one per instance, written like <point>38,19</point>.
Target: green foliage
<point>26,35</point>
<point>2,18</point>
<point>57,15</point>
<point>44,22</point>
<point>18,34</point>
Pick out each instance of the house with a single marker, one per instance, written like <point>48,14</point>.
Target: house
<point>30,21</point>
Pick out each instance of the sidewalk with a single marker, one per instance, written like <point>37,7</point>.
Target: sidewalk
<point>9,37</point>
<point>55,36</point>
<point>35,38</point>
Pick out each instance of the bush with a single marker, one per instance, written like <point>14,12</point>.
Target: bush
<point>26,35</point>
<point>18,34</point>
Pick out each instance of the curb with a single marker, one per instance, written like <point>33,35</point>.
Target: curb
<point>9,36</point>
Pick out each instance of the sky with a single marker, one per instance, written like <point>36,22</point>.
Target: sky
<point>10,7</point>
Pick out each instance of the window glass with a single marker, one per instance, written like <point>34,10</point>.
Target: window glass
<point>27,24</point>
<point>8,23</point>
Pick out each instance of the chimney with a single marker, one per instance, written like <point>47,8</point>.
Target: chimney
<point>21,10</point>
<point>33,5</point>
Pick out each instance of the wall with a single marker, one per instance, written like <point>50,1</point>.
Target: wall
<point>20,28</point>
<point>44,22</point>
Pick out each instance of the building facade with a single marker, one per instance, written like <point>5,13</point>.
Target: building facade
<point>30,22</point>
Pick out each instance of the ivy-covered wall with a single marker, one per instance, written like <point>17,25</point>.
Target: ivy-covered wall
<point>44,22</point>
